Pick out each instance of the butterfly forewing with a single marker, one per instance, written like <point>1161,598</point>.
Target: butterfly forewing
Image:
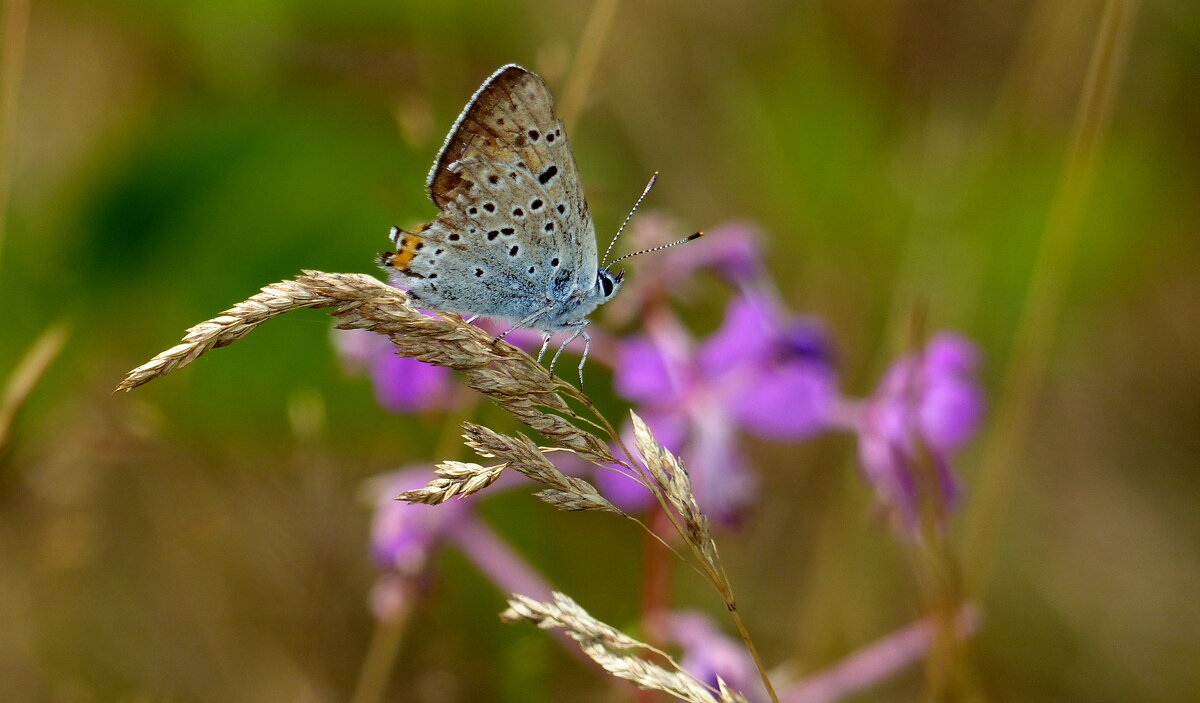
<point>506,178</point>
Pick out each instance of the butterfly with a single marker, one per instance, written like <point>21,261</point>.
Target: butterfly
<point>514,238</point>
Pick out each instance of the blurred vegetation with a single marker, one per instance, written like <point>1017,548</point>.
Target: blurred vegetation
<point>205,537</point>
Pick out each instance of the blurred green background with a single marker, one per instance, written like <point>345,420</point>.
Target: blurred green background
<point>204,538</point>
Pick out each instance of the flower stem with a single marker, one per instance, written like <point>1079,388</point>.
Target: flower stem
<point>656,577</point>
<point>381,655</point>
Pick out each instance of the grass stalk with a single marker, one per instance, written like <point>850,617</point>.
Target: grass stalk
<point>595,32</point>
<point>26,375</point>
<point>16,31</point>
<point>1001,462</point>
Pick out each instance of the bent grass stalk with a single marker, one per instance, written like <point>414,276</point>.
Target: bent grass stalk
<point>512,380</point>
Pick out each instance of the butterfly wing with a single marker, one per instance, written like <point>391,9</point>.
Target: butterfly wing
<point>514,230</point>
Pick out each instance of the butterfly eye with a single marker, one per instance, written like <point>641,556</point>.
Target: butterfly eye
<point>606,284</point>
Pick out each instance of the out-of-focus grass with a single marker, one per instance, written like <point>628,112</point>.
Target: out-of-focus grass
<point>169,158</point>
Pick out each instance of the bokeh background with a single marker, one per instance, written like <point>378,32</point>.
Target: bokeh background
<point>205,538</point>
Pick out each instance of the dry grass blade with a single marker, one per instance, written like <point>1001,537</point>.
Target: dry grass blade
<point>311,290</point>
<point>564,492</point>
<point>676,485</point>
<point>363,302</point>
<point>647,675</point>
<point>506,374</point>
<point>567,435</point>
<point>583,496</point>
<point>565,613</point>
<point>612,649</point>
<point>455,478</point>
<point>727,694</point>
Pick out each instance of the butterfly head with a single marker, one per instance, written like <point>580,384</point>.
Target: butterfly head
<point>608,283</point>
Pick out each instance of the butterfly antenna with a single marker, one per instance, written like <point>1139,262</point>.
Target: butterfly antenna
<point>628,217</point>
<point>686,239</point>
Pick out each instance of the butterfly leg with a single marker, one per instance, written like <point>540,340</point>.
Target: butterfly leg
<point>587,345</point>
<point>545,343</point>
<point>471,319</point>
<point>524,323</point>
<point>579,331</point>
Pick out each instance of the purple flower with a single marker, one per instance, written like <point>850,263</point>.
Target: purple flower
<point>732,251</point>
<point>402,385</point>
<point>762,372</point>
<point>404,534</point>
<point>877,661</point>
<point>709,653</point>
<point>792,391</point>
<point>927,407</point>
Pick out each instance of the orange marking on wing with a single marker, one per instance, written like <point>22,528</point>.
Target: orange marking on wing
<point>406,251</point>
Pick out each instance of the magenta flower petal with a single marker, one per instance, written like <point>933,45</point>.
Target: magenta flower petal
<point>760,371</point>
<point>401,385</point>
<point>951,354</point>
<point>642,373</point>
<point>732,250</point>
<point>793,402</point>
<point>927,406</point>
<point>624,492</point>
<point>404,385</point>
<point>746,335</point>
<point>723,482</point>
<point>888,469</point>
<point>404,534</point>
<point>953,403</point>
